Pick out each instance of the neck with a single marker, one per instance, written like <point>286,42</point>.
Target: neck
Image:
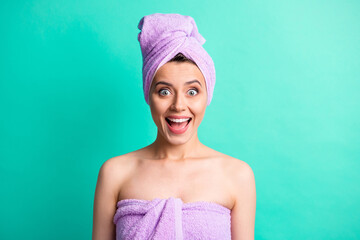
<point>165,150</point>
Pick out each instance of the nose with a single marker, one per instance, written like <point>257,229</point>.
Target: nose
<point>179,103</point>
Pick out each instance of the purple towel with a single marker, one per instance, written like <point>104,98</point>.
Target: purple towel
<point>162,36</point>
<point>167,219</point>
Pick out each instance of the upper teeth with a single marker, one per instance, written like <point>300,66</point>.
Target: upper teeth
<point>178,119</point>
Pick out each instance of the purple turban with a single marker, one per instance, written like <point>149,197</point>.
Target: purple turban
<point>163,36</point>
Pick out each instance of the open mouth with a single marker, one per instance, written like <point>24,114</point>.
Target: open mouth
<point>178,124</point>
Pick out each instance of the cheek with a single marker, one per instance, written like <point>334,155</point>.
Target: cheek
<point>198,110</point>
<point>199,105</point>
<point>158,109</point>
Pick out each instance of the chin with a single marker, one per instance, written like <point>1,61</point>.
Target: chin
<point>178,141</point>
<point>175,139</point>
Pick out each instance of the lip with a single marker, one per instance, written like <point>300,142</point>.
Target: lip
<point>178,131</point>
<point>177,117</point>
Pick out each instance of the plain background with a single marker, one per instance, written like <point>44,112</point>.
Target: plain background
<point>286,101</point>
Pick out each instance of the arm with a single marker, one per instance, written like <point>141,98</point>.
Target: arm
<point>243,212</point>
<point>105,203</point>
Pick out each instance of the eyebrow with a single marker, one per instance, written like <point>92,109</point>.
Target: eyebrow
<point>187,83</point>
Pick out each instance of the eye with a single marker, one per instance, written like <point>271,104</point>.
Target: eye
<point>164,91</point>
<point>193,91</point>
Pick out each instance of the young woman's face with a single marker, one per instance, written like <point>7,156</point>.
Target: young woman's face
<point>178,90</point>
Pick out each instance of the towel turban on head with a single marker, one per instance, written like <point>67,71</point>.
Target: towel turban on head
<point>162,37</point>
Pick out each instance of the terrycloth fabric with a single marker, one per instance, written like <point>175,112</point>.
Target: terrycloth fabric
<point>163,36</point>
<point>171,219</point>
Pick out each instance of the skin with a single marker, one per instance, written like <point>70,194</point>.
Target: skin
<point>177,165</point>
<point>178,99</point>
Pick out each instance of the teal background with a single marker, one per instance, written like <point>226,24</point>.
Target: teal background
<point>286,101</point>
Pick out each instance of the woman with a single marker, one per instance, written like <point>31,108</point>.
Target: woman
<point>175,188</point>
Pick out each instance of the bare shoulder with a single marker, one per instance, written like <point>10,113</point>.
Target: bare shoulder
<point>117,168</point>
<point>238,173</point>
<point>239,170</point>
<point>233,167</point>
<point>110,177</point>
<point>118,161</point>
<point>243,192</point>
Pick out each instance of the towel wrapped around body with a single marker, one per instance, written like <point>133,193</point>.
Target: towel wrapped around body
<point>168,219</point>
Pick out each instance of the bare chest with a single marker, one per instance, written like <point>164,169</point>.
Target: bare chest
<point>202,180</point>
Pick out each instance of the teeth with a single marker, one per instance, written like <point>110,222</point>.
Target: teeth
<point>178,120</point>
